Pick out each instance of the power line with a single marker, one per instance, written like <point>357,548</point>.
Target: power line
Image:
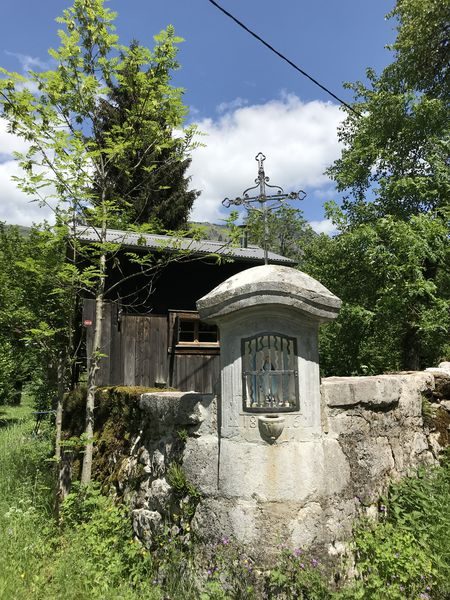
<point>296,67</point>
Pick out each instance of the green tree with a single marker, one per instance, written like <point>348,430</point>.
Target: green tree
<point>289,232</point>
<point>390,262</point>
<point>71,159</point>
<point>13,316</point>
<point>38,304</point>
<point>399,146</point>
<point>150,181</point>
<point>392,276</point>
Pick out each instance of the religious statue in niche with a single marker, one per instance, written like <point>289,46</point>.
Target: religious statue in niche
<point>269,372</point>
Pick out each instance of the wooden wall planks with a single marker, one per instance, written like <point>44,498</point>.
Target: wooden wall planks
<point>136,349</point>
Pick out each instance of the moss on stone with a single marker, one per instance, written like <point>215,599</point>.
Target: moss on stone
<point>441,422</point>
<point>117,418</point>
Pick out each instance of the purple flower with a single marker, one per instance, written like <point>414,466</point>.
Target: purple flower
<point>302,565</point>
<point>298,551</point>
<point>225,540</point>
<point>314,562</point>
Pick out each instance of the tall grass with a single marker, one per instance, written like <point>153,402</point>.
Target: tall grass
<point>90,554</point>
<point>25,502</point>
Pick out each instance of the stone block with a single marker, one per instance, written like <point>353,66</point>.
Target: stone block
<point>306,527</point>
<point>293,471</point>
<point>383,390</point>
<point>167,411</point>
<point>200,463</point>
<point>146,524</point>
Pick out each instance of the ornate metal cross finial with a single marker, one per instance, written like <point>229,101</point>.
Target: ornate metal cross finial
<point>267,202</point>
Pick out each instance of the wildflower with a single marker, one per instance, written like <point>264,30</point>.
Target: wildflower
<point>302,565</point>
<point>314,562</point>
<point>297,551</point>
<point>225,540</point>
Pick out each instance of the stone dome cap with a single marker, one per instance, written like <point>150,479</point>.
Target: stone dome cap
<point>270,284</point>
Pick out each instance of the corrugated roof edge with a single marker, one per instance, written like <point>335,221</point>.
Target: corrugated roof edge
<point>167,243</point>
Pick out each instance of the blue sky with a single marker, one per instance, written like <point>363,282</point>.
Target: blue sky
<point>242,96</point>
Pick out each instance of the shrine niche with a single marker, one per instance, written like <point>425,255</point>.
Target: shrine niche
<point>268,318</point>
<point>269,373</point>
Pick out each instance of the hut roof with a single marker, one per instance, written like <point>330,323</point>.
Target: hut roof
<point>166,243</point>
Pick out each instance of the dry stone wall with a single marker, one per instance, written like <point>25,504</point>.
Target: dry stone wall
<point>374,430</point>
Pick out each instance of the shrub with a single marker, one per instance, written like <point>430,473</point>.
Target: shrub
<point>297,576</point>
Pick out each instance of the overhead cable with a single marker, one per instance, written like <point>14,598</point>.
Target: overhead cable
<point>275,51</point>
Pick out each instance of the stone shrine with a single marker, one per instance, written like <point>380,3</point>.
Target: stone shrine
<point>277,456</point>
<point>270,435</point>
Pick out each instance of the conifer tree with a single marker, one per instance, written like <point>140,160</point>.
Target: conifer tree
<point>150,182</point>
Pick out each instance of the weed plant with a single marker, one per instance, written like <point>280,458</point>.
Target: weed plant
<point>406,554</point>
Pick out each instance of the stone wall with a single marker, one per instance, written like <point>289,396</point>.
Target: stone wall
<point>304,492</point>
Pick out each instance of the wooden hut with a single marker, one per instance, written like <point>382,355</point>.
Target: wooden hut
<point>152,334</point>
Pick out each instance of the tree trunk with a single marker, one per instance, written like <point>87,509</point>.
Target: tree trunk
<point>411,346</point>
<point>94,365</point>
<point>59,408</point>
<point>63,481</point>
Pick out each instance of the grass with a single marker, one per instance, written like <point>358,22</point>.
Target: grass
<point>25,501</point>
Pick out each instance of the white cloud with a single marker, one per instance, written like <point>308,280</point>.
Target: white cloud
<point>9,142</point>
<point>15,206</point>
<point>324,226</point>
<point>229,106</point>
<point>298,138</point>
<point>29,63</point>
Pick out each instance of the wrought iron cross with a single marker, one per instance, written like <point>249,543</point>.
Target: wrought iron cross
<point>267,201</point>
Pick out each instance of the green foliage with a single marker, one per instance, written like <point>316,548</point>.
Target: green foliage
<point>421,48</point>
<point>288,232</point>
<point>176,478</point>
<point>35,310</point>
<point>230,573</point>
<point>7,368</point>
<point>98,546</point>
<point>187,497</point>
<point>400,146</point>
<point>390,263</point>
<point>393,279</point>
<point>94,553</point>
<point>25,502</point>
<point>407,554</point>
<point>392,563</point>
<point>297,576</point>
<point>416,507</point>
